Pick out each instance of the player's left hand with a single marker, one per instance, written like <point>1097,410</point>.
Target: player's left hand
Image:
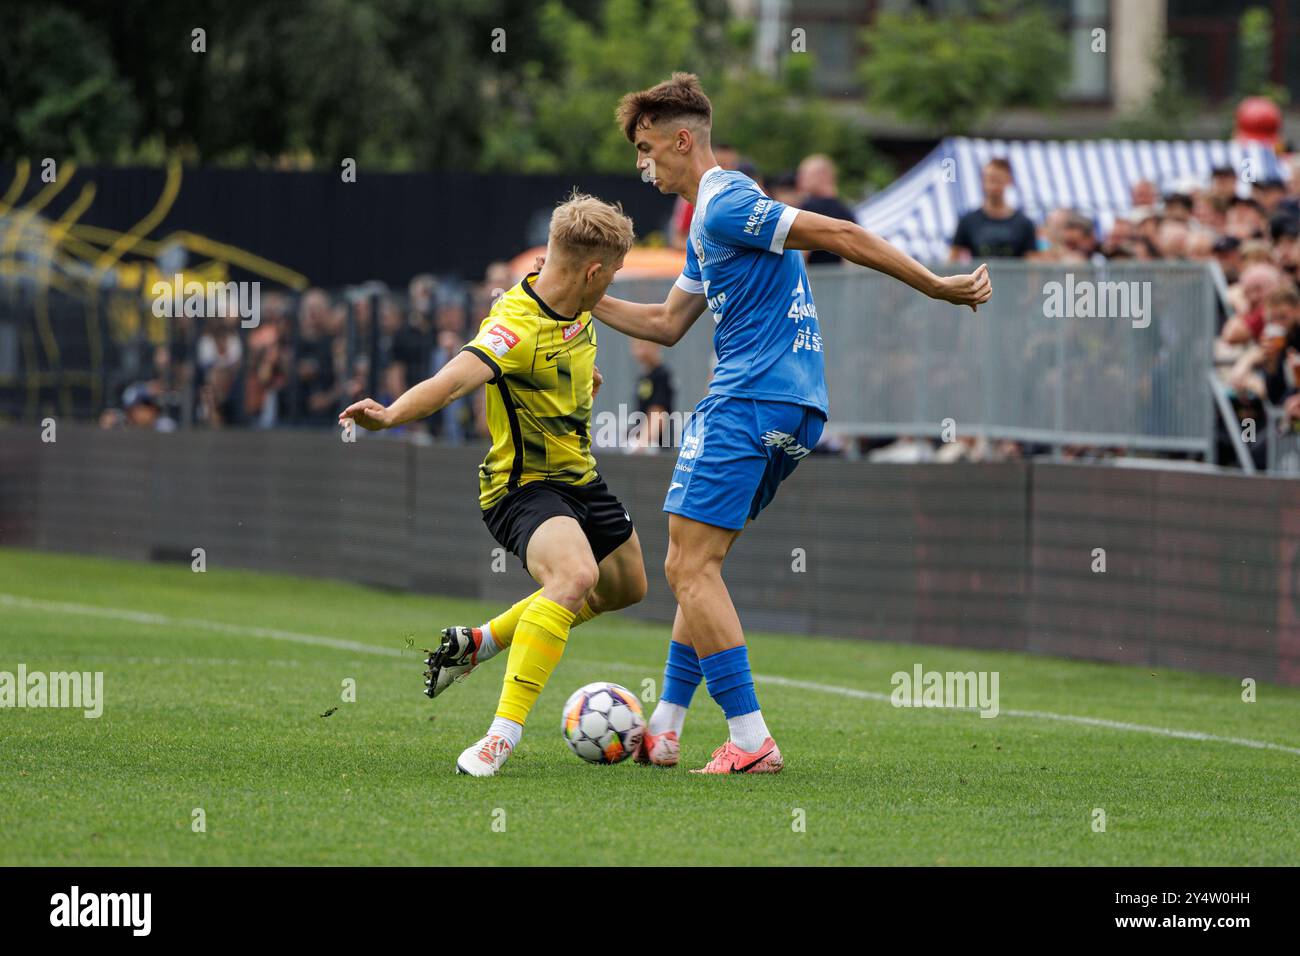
<point>597,380</point>
<point>972,289</point>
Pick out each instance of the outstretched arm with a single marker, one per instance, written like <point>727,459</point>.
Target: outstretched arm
<point>454,380</point>
<point>664,323</point>
<point>849,240</point>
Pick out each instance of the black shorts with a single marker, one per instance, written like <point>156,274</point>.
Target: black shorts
<point>604,520</point>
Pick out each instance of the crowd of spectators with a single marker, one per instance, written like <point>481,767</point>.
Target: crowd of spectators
<point>310,355</point>
<point>1250,228</point>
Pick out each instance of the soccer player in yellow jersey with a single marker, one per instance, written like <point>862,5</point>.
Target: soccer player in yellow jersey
<point>541,495</point>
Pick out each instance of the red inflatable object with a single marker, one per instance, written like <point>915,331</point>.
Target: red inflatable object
<point>1258,121</point>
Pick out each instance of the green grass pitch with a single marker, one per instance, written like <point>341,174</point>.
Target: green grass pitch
<point>209,704</point>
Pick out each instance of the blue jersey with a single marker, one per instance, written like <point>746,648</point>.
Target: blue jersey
<point>767,340</point>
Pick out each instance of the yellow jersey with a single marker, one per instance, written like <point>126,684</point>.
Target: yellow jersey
<point>539,396</point>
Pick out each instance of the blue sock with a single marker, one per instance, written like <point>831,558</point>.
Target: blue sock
<point>730,682</point>
<point>682,674</point>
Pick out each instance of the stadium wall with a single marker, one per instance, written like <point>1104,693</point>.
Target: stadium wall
<point>1201,570</point>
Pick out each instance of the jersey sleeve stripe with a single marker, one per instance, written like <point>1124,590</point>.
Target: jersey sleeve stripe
<point>687,284</point>
<point>782,229</point>
<point>487,360</point>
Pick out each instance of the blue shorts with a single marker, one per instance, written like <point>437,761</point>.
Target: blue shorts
<point>735,452</point>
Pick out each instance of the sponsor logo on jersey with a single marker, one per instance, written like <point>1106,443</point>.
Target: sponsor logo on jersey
<point>572,330</point>
<point>500,340</point>
<point>807,338</point>
<point>800,308</point>
<point>759,216</point>
<point>716,302</point>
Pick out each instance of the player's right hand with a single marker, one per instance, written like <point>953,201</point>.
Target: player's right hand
<point>367,413</point>
<point>972,289</point>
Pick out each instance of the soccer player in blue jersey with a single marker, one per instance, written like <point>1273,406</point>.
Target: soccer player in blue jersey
<point>766,403</point>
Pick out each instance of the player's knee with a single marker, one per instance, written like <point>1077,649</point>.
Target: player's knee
<point>567,580</point>
<point>687,569</point>
<point>679,567</point>
<point>575,580</point>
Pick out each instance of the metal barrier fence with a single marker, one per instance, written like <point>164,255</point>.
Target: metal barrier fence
<point>1283,443</point>
<point>898,363</point>
<point>1202,569</point>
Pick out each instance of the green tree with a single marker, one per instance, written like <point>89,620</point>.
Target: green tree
<point>952,72</point>
<point>562,116</point>
<point>775,124</point>
<point>60,92</point>
<point>1255,57</point>
<point>395,83</point>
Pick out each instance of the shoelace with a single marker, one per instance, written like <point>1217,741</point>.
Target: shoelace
<point>492,746</point>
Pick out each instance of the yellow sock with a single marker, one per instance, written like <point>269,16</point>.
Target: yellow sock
<point>540,638</point>
<point>504,625</point>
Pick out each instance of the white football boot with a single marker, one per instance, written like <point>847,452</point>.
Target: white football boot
<point>455,657</point>
<point>485,758</point>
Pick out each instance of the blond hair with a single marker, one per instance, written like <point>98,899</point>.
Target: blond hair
<point>583,225</point>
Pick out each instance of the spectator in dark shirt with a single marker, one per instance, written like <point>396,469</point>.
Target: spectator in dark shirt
<point>996,230</point>
<point>315,359</point>
<point>654,396</point>
<point>816,183</point>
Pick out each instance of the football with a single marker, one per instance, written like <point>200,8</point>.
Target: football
<point>602,722</point>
